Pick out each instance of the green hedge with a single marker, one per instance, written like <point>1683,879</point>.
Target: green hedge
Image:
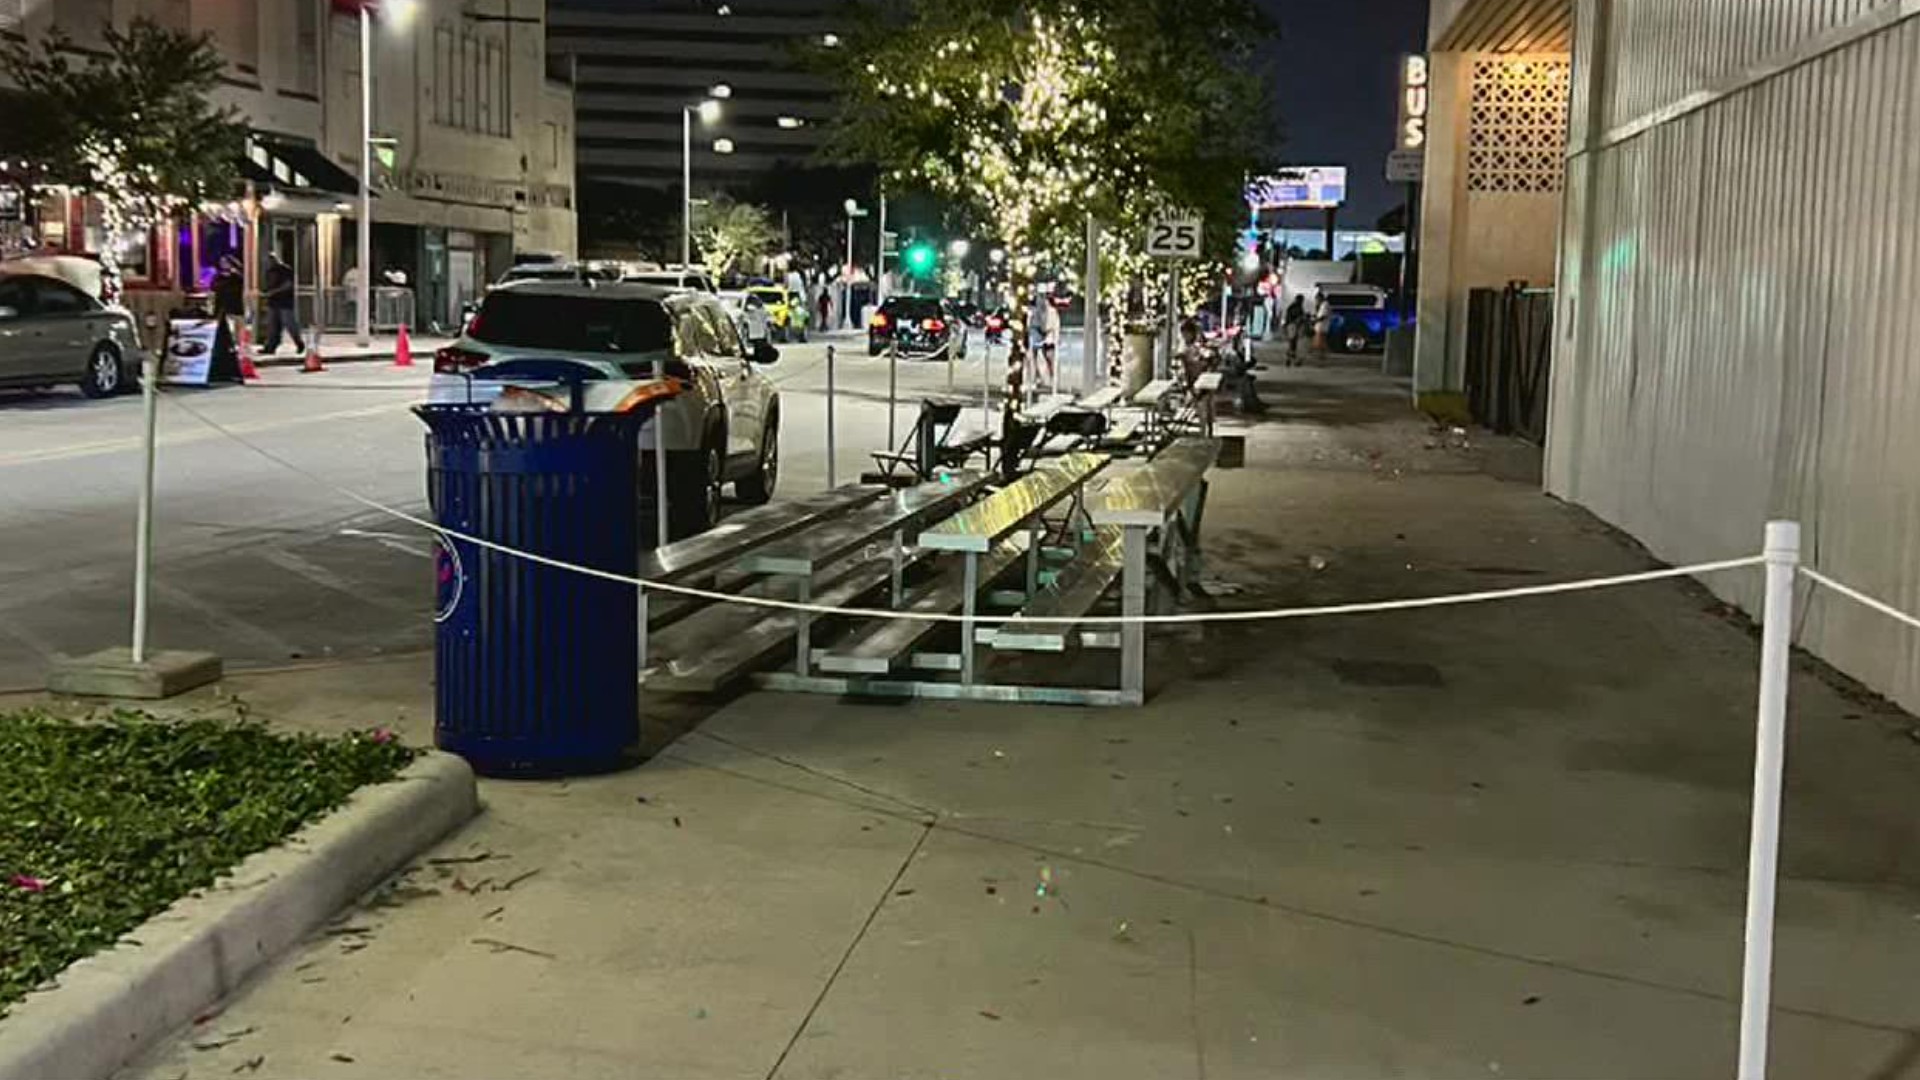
<point>104,822</point>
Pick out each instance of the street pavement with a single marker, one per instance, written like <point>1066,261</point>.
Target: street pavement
<point>1499,841</point>
<point>264,561</point>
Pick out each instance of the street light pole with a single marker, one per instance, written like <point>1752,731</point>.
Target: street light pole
<point>363,287</point>
<point>686,188</point>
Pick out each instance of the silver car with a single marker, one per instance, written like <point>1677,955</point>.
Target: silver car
<point>51,333</point>
<point>723,428</point>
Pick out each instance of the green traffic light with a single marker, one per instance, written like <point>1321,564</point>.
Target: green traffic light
<point>920,258</point>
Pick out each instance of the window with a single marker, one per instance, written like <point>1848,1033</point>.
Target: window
<point>443,68</point>
<point>13,294</point>
<point>52,297</point>
<point>726,336</point>
<point>577,324</point>
<point>306,41</point>
<point>697,335</point>
<point>470,85</point>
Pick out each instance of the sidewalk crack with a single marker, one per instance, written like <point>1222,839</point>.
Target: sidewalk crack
<point>926,830</point>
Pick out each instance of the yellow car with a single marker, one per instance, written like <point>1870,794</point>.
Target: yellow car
<point>785,315</point>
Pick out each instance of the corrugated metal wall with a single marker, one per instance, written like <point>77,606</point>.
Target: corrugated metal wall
<point>1741,307</point>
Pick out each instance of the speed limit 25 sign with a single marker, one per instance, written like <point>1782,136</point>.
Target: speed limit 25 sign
<point>1174,238</point>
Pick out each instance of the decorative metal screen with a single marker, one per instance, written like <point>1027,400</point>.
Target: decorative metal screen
<point>1517,130</point>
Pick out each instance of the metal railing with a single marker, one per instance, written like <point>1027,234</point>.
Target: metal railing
<point>393,306</point>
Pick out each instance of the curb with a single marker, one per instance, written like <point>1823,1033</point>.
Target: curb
<point>111,1006</point>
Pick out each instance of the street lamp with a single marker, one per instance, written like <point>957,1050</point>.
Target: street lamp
<point>791,122</point>
<point>830,40</point>
<point>854,210</point>
<point>723,146</point>
<point>709,112</point>
<point>997,255</point>
<point>959,248</point>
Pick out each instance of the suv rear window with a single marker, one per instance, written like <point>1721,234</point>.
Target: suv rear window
<point>523,320</point>
<point>912,307</point>
<point>1352,300</point>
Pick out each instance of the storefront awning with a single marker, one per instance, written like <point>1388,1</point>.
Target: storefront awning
<point>295,168</point>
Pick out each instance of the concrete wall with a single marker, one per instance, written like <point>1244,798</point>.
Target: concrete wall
<point>1738,335</point>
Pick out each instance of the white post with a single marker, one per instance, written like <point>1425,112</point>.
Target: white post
<point>1763,857</point>
<point>846,280</point>
<point>686,188</point>
<point>830,403</point>
<point>1093,372</point>
<point>880,257</point>
<point>1163,364</point>
<point>143,527</point>
<point>893,386</point>
<point>986,389</point>
<point>363,289</point>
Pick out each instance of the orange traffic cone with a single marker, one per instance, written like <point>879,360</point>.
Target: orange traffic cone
<point>314,363</point>
<point>248,373</point>
<point>402,349</point>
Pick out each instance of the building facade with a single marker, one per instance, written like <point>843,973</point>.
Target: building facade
<point>638,64</point>
<point>474,147</point>
<point>1499,80</point>
<point>1734,329</point>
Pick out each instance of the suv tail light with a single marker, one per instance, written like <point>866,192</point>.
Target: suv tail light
<point>933,326</point>
<point>879,321</point>
<point>453,360</point>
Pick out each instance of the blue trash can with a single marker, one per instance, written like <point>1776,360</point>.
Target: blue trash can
<point>536,668</point>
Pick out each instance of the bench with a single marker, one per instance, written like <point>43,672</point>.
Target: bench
<point>1070,596</point>
<point>980,528</point>
<point>1163,500</point>
<point>881,648</point>
<point>936,442</point>
<point>1102,399</point>
<point>894,518</point>
<point>698,558</point>
<point>719,645</point>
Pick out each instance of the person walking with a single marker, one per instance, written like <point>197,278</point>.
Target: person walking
<point>1322,323</point>
<point>1294,326</point>
<point>280,307</point>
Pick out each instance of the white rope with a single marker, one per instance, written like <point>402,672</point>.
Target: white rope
<point>1859,597</point>
<point>1366,607</point>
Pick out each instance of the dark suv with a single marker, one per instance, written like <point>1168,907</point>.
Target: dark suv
<point>924,328</point>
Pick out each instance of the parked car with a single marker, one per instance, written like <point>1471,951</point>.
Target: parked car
<point>1361,317</point>
<point>723,428</point>
<point>695,279</point>
<point>785,314</point>
<point>923,327</point>
<point>51,333</point>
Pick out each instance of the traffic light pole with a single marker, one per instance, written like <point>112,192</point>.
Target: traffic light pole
<point>880,257</point>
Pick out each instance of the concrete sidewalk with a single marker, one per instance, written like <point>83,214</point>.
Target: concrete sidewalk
<point>340,349</point>
<point>1506,840</point>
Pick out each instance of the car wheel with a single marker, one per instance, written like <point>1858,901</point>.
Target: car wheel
<point>103,377</point>
<point>874,348</point>
<point>758,487</point>
<point>1354,342</point>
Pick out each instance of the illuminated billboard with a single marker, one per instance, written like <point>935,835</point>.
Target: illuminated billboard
<point>1313,188</point>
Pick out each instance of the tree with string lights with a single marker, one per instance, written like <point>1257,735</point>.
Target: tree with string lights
<point>132,126</point>
<point>1031,115</point>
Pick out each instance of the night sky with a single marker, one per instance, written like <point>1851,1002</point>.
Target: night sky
<point>1336,66</point>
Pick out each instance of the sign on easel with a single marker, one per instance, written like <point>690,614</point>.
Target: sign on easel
<point>190,349</point>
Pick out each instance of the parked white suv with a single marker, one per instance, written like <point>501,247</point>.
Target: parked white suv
<point>724,427</point>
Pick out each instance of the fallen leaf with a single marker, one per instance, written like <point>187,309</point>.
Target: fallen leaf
<point>989,1014</point>
<point>338,1056</point>
<point>250,1064</point>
